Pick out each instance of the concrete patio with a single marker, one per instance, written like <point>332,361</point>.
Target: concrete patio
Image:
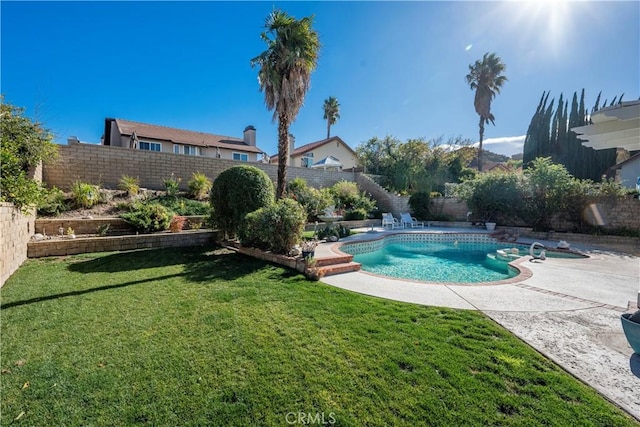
<point>567,309</point>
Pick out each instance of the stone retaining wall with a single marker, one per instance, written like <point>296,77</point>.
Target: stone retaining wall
<point>66,246</point>
<point>16,229</point>
<point>50,226</point>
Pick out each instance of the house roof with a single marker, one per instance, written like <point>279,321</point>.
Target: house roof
<point>313,145</point>
<point>181,136</point>
<point>631,159</point>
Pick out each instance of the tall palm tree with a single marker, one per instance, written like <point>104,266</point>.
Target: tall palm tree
<point>285,75</point>
<point>331,113</point>
<point>485,77</point>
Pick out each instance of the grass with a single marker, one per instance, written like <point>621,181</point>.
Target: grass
<point>202,336</point>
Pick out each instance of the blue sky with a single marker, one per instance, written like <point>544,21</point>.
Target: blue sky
<point>397,68</point>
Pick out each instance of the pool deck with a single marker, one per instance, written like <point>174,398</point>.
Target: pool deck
<point>567,309</point>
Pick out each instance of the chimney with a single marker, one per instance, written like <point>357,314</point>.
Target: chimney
<point>249,136</point>
<point>73,140</point>
<point>292,146</point>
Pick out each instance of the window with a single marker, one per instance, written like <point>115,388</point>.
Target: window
<point>243,157</point>
<point>190,150</point>
<point>176,149</point>
<point>150,146</point>
<point>307,160</point>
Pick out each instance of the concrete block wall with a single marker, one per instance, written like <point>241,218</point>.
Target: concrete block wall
<point>105,165</point>
<point>16,229</point>
<point>387,202</point>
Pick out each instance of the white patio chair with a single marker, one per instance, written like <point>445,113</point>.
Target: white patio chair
<point>408,221</point>
<point>389,220</point>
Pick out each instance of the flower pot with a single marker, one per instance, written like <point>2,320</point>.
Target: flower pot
<point>490,226</point>
<point>631,331</point>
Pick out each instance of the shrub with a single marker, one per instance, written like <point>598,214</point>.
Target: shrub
<point>103,229</point>
<point>313,200</point>
<point>493,197</point>
<point>277,227</point>
<point>236,192</point>
<point>52,203</point>
<point>199,186</point>
<point>183,206</point>
<point>85,195</point>
<point>545,191</point>
<point>356,214</point>
<point>339,231</point>
<point>348,197</point>
<point>172,185</point>
<point>420,204</point>
<point>177,223</point>
<point>23,144</point>
<point>129,184</point>
<point>147,217</point>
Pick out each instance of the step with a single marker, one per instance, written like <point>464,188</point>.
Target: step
<point>335,259</point>
<point>333,269</point>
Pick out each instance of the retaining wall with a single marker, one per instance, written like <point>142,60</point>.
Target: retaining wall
<point>16,229</point>
<point>66,246</point>
<point>105,165</point>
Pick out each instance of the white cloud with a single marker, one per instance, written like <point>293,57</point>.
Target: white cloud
<point>506,145</point>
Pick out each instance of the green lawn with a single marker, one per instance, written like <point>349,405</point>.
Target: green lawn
<point>206,337</point>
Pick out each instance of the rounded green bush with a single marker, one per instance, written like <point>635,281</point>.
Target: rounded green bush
<point>277,227</point>
<point>236,192</point>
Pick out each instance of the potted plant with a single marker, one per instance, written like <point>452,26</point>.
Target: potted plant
<point>308,248</point>
<point>312,271</point>
<point>631,328</point>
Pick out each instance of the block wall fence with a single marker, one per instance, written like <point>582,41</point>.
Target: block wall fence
<point>16,228</point>
<point>105,165</point>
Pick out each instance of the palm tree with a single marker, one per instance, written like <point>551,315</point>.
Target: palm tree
<point>331,112</point>
<point>485,77</point>
<point>285,75</point>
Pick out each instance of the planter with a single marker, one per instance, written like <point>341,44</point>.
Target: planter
<point>490,226</point>
<point>631,331</point>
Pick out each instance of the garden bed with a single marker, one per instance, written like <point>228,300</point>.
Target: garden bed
<point>59,246</point>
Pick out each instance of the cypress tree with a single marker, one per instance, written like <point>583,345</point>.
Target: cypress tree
<point>549,135</point>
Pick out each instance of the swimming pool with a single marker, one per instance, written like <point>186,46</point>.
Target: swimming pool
<point>435,257</point>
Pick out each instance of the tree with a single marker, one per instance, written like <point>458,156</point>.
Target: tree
<point>331,112</point>
<point>485,77</point>
<point>23,144</point>
<point>550,135</point>
<point>285,75</point>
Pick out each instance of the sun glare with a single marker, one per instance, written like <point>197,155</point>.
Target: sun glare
<point>546,23</point>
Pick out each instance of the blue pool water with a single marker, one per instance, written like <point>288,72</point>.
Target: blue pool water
<point>439,262</point>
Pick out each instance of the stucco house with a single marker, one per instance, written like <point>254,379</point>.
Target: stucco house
<point>143,136</point>
<point>331,151</point>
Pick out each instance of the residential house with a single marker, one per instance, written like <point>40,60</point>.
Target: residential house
<point>616,126</point>
<point>142,136</point>
<point>329,153</point>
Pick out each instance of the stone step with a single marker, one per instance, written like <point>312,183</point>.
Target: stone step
<point>346,267</point>
<point>331,260</point>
